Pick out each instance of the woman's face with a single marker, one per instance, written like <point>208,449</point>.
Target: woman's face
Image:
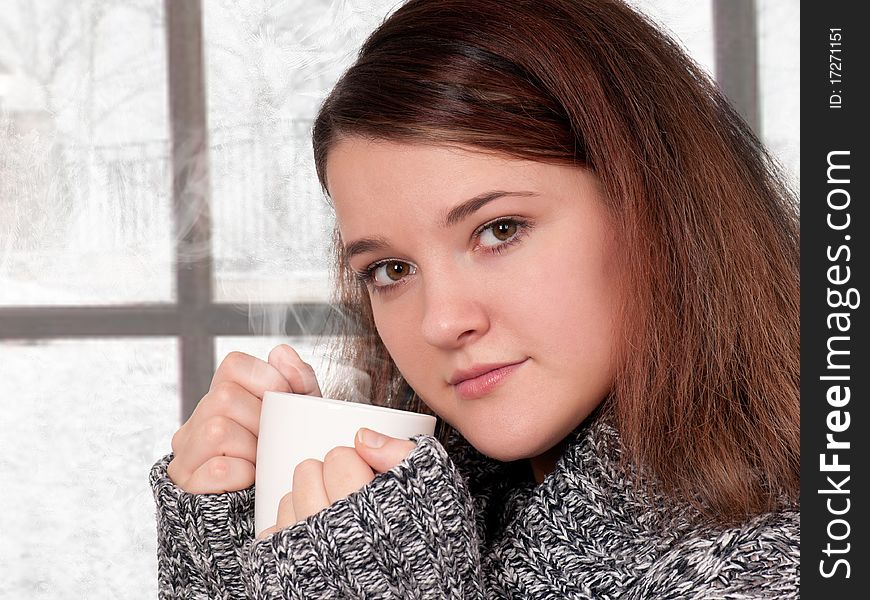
<point>524,276</point>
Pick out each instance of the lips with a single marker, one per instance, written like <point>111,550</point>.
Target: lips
<point>482,379</point>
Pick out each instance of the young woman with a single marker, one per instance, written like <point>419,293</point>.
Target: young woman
<point>555,234</point>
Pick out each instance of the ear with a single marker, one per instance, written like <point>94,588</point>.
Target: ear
<point>380,451</point>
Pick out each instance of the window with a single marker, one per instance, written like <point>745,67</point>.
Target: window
<point>158,208</point>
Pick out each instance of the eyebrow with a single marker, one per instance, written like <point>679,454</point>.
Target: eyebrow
<point>455,215</point>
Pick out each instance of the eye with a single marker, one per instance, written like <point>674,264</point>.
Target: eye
<point>499,232</point>
<point>389,272</point>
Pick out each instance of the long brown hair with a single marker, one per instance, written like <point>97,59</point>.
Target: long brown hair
<point>706,396</point>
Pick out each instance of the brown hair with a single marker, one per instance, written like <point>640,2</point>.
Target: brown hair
<point>706,394</point>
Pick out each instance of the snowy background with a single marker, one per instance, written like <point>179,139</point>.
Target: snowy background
<point>85,219</point>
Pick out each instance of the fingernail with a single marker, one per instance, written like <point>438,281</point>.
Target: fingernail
<point>372,439</point>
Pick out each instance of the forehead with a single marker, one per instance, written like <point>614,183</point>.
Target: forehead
<point>361,171</point>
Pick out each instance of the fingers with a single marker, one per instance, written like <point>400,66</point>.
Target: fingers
<point>221,474</point>
<point>309,492</point>
<point>268,531</point>
<point>218,436</point>
<point>231,400</point>
<point>299,374</point>
<point>381,452</point>
<point>285,371</point>
<point>344,472</point>
<point>226,422</point>
<point>253,374</point>
<point>316,485</point>
<point>286,513</point>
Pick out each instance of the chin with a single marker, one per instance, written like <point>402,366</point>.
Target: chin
<point>503,446</point>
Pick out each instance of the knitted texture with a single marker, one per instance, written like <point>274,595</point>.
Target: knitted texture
<point>461,525</point>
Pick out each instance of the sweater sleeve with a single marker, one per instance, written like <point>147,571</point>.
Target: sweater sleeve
<point>201,539</point>
<point>410,533</point>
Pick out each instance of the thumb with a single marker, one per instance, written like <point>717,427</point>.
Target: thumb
<point>380,451</point>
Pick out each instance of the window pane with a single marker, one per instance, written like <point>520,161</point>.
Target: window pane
<point>269,64</point>
<point>83,421</point>
<point>689,21</point>
<point>780,79</point>
<point>84,178</point>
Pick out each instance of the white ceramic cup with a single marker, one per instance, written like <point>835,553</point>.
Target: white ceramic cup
<point>295,427</point>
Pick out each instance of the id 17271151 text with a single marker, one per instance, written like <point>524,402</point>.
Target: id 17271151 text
<point>835,67</point>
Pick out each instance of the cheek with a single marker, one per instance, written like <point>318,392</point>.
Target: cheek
<point>401,336</point>
<point>573,308</point>
<point>399,332</point>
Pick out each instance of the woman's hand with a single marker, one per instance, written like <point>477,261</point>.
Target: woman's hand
<point>344,470</point>
<point>216,449</point>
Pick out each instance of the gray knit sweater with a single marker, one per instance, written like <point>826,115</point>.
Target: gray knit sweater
<point>460,525</point>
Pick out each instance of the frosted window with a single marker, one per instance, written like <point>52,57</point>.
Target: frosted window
<point>779,80</point>
<point>690,22</point>
<point>82,423</point>
<point>84,159</point>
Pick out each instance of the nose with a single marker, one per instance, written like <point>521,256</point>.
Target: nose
<point>454,312</point>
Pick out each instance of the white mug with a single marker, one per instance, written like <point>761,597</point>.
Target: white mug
<point>295,427</point>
